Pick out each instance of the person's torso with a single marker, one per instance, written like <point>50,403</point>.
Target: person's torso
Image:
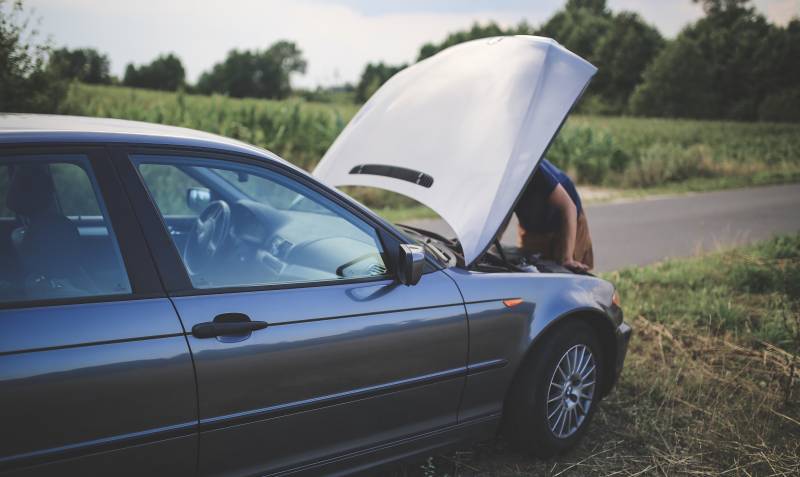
<point>533,210</point>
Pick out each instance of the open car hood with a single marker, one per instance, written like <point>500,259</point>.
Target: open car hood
<point>462,131</point>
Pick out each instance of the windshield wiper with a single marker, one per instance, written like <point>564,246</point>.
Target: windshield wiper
<point>430,245</point>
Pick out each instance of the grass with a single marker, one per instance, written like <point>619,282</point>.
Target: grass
<point>639,156</point>
<point>404,214</point>
<point>295,129</point>
<point>710,385</point>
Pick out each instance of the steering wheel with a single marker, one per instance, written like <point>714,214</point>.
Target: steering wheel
<point>208,234</point>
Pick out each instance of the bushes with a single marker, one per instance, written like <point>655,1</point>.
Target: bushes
<point>589,155</point>
<point>26,85</point>
<point>781,107</point>
<point>606,151</point>
<point>641,153</point>
<point>299,131</point>
<point>667,163</point>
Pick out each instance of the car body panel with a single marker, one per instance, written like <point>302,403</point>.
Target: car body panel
<point>499,332</point>
<point>81,379</point>
<point>462,131</point>
<point>74,325</point>
<point>329,352</point>
<point>40,129</point>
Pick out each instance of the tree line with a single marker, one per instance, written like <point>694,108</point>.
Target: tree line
<point>730,64</point>
<point>34,76</point>
<point>243,73</point>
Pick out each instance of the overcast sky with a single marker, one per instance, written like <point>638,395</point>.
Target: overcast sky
<point>338,37</point>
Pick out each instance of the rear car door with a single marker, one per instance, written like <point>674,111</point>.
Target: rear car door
<point>95,372</point>
<point>325,353</point>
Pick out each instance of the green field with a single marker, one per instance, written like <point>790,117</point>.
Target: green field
<point>635,154</point>
<point>710,385</point>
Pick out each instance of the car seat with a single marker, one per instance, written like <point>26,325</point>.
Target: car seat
<point>48,244</point>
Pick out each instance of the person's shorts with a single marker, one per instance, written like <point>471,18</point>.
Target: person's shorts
<point>550,245</point>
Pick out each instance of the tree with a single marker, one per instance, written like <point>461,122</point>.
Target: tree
<point>477,31</point>
<point>84,64</point>
<point>779,70</point>
<point>258,74</point>
<point>25,83</point>
<point>712,7</point>
<point>373,77</point>
<point>622,55</point>
<point>595,6</point>
<point>165,73</point>
<point>620,45</point>
<point>579,26</point>
<point>664,91</point>
<point>738,61</point>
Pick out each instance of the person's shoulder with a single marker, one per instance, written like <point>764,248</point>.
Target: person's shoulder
<point>549,167</point>
<point>548,171</point>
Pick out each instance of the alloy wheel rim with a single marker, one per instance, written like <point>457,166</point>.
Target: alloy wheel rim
<point>571,391</point>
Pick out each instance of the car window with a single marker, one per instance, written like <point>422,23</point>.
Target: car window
<point>275,194</point>
<point>73,189</point>
<point>168,186</point>
<point>252,226</point>
<point>55,238</point>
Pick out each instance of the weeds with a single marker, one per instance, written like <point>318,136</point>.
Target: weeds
<point>606,151</point>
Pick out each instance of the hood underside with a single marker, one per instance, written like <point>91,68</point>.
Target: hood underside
<point>462,131</point>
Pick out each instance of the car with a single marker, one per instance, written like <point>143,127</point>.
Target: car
<point>178,303</point>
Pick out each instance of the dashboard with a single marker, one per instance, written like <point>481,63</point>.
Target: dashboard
<point>267,245</point>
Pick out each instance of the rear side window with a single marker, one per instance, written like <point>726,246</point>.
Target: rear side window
<point>55,237</point>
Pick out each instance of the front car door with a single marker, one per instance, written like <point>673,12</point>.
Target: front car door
<point>95,373</point>
<point>306,347</point>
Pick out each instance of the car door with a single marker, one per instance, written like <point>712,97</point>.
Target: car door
<point>325,352</point>
<point>95,373</point>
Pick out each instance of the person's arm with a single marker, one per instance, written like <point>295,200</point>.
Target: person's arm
<point>561,200</point>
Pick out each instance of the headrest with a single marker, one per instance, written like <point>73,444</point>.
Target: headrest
<point>31,190</point>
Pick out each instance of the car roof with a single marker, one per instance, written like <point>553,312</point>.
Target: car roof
<point>48,128</point>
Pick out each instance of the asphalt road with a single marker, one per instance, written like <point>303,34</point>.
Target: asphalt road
<point>646,231</point>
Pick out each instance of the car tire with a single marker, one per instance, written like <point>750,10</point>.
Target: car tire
<point>542,417</point>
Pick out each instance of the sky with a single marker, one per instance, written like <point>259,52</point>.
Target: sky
<point>337,37</point>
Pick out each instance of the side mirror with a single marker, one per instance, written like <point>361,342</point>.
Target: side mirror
<point>198,198</point>
<point>411,262</point>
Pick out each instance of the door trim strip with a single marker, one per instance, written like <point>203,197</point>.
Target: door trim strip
<point>97,445</point>
<point>253,415</point>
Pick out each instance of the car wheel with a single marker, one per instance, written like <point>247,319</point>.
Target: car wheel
<point>556,391</point>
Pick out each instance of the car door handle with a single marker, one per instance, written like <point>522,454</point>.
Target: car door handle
<point>227,324</point>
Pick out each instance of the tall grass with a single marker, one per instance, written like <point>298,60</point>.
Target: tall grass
<point>295,129</point>
<point>607,151</point>
<point>637,152</point>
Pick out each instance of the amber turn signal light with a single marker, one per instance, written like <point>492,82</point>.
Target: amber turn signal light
<point>512,302</point>
<point>615,298</point>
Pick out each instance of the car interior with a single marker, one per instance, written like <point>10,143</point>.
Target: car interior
<point>234,228</point>
<point>44,253</point>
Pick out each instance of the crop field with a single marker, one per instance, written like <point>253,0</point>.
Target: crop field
<point>710,385</point>
<point>651,155</point>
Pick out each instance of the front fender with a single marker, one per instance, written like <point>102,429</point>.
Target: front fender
<point>503,335</point>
